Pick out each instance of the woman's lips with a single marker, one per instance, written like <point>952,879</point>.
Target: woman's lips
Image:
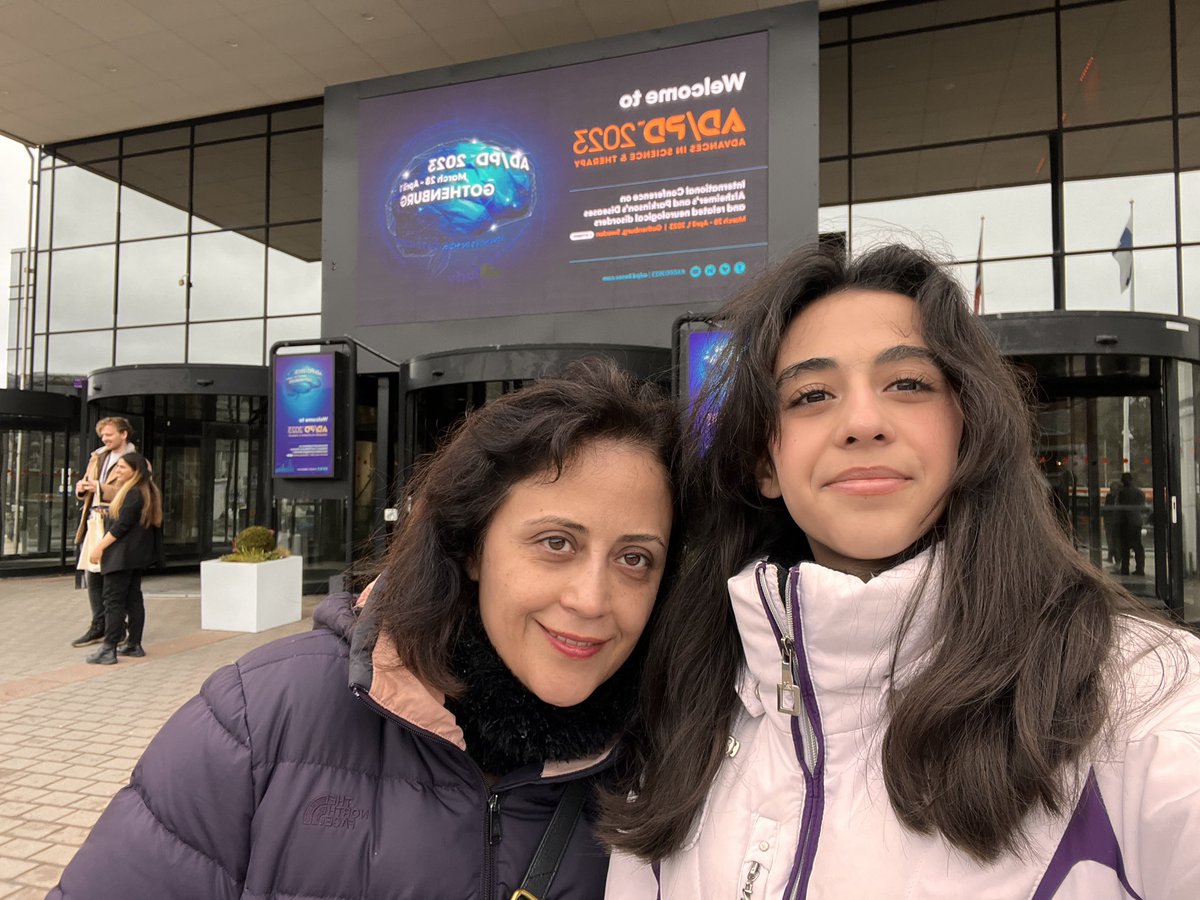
<point>572,645</point>
<point>868,481</point>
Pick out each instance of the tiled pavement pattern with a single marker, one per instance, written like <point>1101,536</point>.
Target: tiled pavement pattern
<point>70,733</point>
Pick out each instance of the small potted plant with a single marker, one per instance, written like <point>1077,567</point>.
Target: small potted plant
<point>254,588</point>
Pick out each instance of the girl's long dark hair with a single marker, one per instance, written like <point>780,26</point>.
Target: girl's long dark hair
<point>1015,689</point>
<point>143,482</point>
<point>423,593</point>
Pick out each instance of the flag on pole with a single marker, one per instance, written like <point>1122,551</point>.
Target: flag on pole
<point>1124,253</point>
<point>979,272</point>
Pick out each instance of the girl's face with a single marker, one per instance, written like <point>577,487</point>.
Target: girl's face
<point>569,569</point>
<point>122,471</point>
<point>869,430</point>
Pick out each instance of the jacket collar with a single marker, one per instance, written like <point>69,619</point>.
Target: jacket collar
<point>377,671</point>
<point>845,632</point>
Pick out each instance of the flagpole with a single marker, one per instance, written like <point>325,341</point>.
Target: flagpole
<point>979,271</point>
<point>1131,278</point>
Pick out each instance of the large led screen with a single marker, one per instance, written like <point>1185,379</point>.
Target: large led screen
<point>304,415</point>
<point>634,181</point>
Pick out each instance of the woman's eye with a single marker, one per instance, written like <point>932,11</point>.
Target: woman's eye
<point>911,384</point>
<point>635,560</point>
<point>557,544</point>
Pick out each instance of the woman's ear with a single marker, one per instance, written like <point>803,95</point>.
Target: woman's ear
<point>768,484</point>
<point>473,567</point>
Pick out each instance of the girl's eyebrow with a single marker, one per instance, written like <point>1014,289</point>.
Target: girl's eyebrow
<point>905,351</point>
<point>815,364</point>
<point>894,354</point>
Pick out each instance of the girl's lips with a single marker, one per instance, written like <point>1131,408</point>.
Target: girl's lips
<point>868,487</point>
<point>867,481</point>
<point>571,645</point>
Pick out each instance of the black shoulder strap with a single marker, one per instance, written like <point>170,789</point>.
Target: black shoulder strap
<point>550,851</point>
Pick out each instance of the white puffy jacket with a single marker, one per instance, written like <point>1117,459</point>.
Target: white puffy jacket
<point>799,810</point>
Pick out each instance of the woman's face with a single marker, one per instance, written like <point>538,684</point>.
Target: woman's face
<point>122,471</point>
<point>869,429</point>
<point>569,569</point>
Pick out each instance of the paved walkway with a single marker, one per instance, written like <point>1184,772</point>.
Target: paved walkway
<point>70,733</point>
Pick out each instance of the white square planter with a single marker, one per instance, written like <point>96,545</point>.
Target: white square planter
<point>250,596</point>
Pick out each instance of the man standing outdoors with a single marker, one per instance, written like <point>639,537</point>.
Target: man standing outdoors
<point>94,488</point>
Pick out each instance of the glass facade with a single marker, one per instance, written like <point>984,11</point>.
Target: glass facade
<point>195,243</point>
<point>1029,135</point>
<point>1050,146</point>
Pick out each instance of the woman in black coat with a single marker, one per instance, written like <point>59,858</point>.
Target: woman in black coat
<point>130,546</point>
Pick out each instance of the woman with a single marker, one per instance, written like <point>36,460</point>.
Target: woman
<point>918,689</point>
<point>131,545</point>
<point>419,744</point>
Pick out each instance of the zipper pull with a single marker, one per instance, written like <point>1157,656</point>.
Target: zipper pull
<point>493,820</point>
<point>751,877</point>
<point>787,694</point>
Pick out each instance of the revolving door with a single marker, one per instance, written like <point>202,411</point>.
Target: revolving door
<point>1117,438</point>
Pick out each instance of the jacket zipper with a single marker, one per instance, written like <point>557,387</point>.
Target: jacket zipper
<point>491,809</point>
<point>751,877</point>
<point>792,701</point>
<point>492,839</point>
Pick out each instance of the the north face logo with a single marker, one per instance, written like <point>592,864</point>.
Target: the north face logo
<point>332,811</point>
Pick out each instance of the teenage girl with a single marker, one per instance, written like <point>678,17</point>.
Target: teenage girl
<point>893,676</point>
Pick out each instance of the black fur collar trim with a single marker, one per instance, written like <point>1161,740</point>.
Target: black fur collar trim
<point>506,727</point>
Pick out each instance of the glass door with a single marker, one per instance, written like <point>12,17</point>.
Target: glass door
<point>232,489</point>
<point>1108,484</point>
<point>32,493</point>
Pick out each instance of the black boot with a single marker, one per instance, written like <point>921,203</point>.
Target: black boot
<point>93,636</point>
<point>105,656</point>
<point>129,648</point>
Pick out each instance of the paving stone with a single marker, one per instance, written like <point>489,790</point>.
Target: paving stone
<point>27,794</point>
<point>27,829</point>
<point>22,848</point>
<point>56,854</point>
<point>47,813</point>
<point>27,893</point>
<point>11,868</point>
<point>68,834</point>
<point>44,876</point>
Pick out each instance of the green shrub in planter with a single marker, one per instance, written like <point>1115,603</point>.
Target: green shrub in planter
<point>255,544</point>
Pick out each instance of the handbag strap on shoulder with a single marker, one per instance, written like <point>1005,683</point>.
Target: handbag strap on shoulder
<point>550,851</point>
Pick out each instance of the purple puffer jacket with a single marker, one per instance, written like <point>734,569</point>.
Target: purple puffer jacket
<point>277,781</point>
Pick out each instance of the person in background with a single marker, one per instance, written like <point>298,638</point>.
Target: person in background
<point>420,742</point>
<point>1112,525</point>
<point>893,676</point>
<point>132,544</point>
<point>96,488</point>
<point>1131,509</point>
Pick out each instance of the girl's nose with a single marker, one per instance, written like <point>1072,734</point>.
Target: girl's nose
<point>863,419</point>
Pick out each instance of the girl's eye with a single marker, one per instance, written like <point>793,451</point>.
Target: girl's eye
<point>911,385</point>
<point>809,397</point>
<point>556,543</point>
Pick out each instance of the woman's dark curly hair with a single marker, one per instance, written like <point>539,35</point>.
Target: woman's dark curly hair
<point>424,590</point>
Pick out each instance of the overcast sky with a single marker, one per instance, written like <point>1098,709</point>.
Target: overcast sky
<point>14,216</point>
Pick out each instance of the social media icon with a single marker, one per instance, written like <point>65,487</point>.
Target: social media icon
<point>710,270</point>
<point>725,267</point>
<point>695,271</point>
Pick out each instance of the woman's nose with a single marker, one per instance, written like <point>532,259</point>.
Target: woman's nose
<point>587,592</point>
